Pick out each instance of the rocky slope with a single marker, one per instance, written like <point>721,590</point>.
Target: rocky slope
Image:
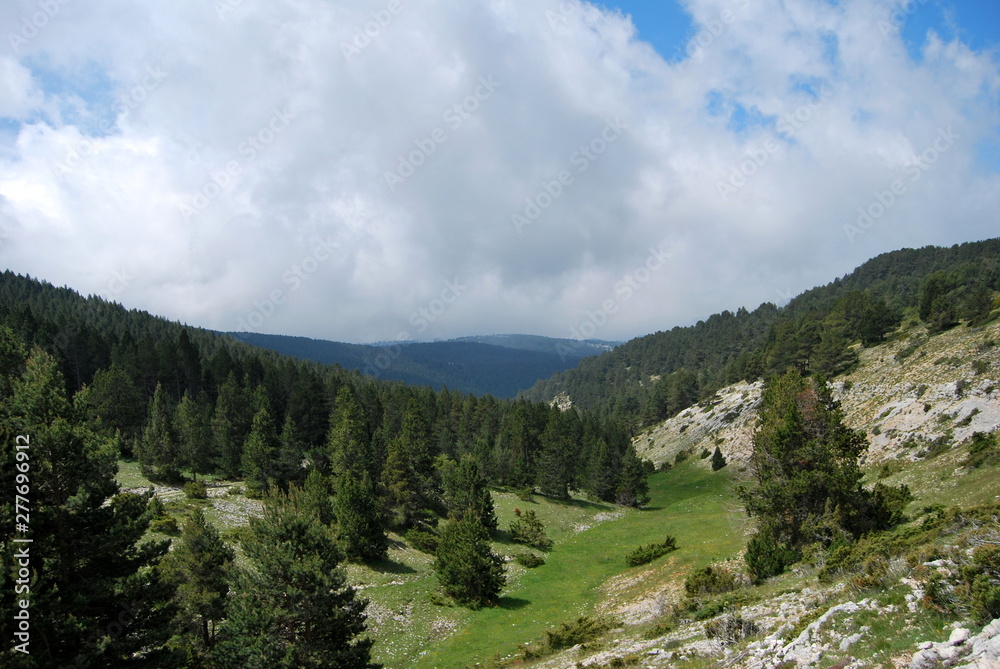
<point>918,398</point>
<point>905,394</point>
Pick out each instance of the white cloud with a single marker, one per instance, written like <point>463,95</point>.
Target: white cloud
<point>261,143</point>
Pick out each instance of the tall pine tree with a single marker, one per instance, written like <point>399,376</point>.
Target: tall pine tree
<point>467,568</point>
<point>359,520</point>
<point>199,567</point>
<point>94,594</point>
<point>292,607</point>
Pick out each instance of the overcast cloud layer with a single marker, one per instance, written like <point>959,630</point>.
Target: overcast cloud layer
<point>477,167</point>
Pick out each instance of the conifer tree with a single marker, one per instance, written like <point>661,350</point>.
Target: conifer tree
<point>113,402</point>
<point>602,477</point>
<point>348,446</point>
<point>292,608</point>
<point>316,496</point>
<point>193,429</point>
<point>402,493</point>
<point>259,452</point>
<point>199,566</point>
<point>231,422</point>
<point>159,452</point>
<point>633,486</point>
<point>465,490</point>
<point>718,460</point>
<point>359,520</point>
<point>416,438</point>
<point>553,469</point>
<point>88,570</point>
<point>288,463</point>
<point>807,478</point>
<point>469,571</point>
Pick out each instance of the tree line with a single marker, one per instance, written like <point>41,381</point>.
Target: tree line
<point>656,376</point>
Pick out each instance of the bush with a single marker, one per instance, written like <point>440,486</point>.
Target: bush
<point>195,490</point>
<point>982,450</point>
<point>645,554</point>
<point>528,529</point>
<point>165,525</point>
<point>155,508</point>
<point>526,494</point>
<point>681,457</point>
<point>583,629</point>
<point>765,557</point>
<point>705,453</point>
<point>529,560</point>
<point>425,541</point>
<point>709,581</point>
<point>731,628</point>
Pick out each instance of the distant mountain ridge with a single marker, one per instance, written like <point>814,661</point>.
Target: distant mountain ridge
<point>498,365</point>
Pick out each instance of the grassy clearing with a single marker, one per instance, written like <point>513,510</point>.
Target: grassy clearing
<point>689,502</point>
<point>585,568</point>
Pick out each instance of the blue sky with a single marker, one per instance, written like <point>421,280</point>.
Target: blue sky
<point>667,25</point>
<point>328,168</point>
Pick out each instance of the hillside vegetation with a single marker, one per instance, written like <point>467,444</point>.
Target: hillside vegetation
<point>656,376</point>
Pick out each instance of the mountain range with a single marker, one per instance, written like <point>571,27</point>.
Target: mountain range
<point>501,365</point>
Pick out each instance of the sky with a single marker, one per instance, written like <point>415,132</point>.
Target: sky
<point>382,170</point>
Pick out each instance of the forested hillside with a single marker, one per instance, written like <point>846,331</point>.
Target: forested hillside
<point>500,366</point>
<point>92,382</point>
<point>653,377</point>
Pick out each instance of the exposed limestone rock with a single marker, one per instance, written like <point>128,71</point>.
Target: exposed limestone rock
<point>962,650</point>
<point>901,403</point>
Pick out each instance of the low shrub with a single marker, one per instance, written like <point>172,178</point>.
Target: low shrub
<point>529,560</point>
<point>528,529</point>
<point>581,630</point>
<point>731,628</point>
<point>425,541</point>
<point>195,490</point>
<point>165,525</point>
<point>982,450</point>
<point>709,581</point>
<point>648,553</point>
